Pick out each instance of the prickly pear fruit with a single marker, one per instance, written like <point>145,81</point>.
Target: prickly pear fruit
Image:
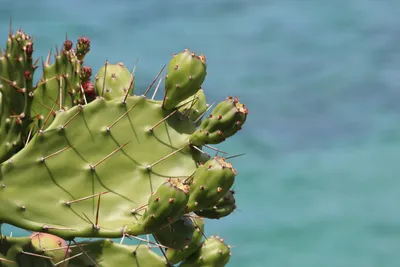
<point>194,107</point>
<point>225,206</point>
<point>210,183</point>
<point>176,235</point>
<point>165,206</point>
<point>82,47</point>
<point>212,253</point>
<point>53,246</point>
<point>85,74</point>
<point>224,121</point>
<point>185,75</point>
<point>113,81</point>
<point>177,255</point>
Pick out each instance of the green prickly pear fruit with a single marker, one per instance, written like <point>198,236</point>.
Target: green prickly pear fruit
<point>212,253</point>
<point>210,183</point>
<point>177,255</point>
<point>176,235</point>
<point>116,80</point>
<point>165,206</point>
<point>194,107</point>
<point>185,75</point>
<point>225,120</point>
<point>222,208</point>
<point>82,47</point>
<point>53,246</point>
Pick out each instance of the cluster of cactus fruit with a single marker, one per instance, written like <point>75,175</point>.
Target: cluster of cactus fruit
<point>84,157</point>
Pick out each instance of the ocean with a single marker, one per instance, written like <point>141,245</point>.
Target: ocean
<point>319,183</point>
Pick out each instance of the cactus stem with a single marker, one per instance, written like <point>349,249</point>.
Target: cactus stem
<point>123,115</point>
<point>158,86</point>
<point>5,260</point>
<point>204,113</point>
<point>167,156</point>
<point>93,167</point>
<point>104,79</point>
<point>84,252</point>
<point>43,159</point>
<point>73,117</point>
<point>68,203</point>
<point>158,123</point>
<point>154,80</point>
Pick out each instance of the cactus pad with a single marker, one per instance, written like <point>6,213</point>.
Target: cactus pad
<point>113,81</point>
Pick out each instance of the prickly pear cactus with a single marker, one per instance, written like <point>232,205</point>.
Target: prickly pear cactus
<point>84,158</point>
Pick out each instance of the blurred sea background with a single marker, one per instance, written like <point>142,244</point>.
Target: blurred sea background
<point>319,183</point>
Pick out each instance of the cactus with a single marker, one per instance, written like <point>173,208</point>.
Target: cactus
<point>84,158</point>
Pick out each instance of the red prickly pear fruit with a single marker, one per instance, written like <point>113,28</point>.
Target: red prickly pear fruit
<point>88,88</point>
<point>54,247</point>
<point>68,45</point>
<point>85,74</point>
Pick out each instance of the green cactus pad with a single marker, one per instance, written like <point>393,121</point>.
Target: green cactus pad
<point>16,72</point>
<point>194,107</point>
<point>185,75</point>
<point>23,252</point>
<point>212,253</point>
<point>116,80</point>
<point>210,183</point>
<point>224,121</point>
<point>177,255</point>
<point>104,146</point>
<point>176,235</point>
<point>109,254</point>
<point>165,206</point>
<point>222,208</point>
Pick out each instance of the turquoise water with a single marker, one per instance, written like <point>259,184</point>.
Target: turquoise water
<point>320,182</point>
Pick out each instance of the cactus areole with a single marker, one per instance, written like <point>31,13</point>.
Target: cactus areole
<point>82,156</point>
